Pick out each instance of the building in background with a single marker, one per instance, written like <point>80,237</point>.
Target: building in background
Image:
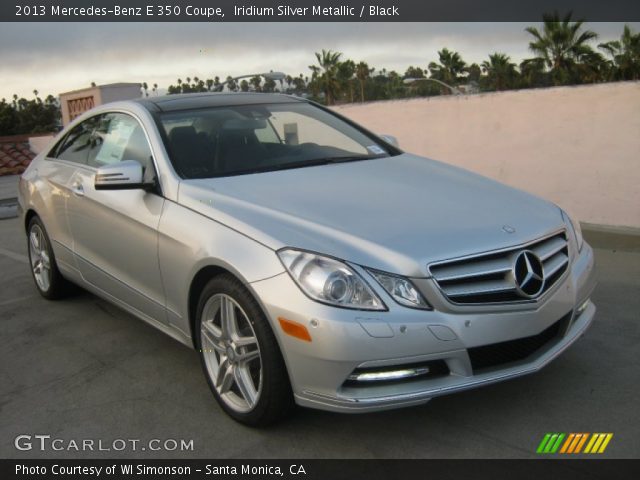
<point>76,102</point>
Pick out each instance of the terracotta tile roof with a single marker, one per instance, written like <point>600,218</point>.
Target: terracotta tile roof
<point>14,157</point>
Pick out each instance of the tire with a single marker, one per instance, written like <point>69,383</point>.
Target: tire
<point>240,357</point>
<point>48,280</point>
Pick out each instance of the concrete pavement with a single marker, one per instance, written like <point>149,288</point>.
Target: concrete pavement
<point>83,369</point>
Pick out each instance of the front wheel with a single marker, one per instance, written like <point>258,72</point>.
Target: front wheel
<point>240,355</point>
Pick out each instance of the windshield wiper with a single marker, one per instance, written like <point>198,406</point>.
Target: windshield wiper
<point>309,163</point>
<point>291,165</point>
<point>330,160</point>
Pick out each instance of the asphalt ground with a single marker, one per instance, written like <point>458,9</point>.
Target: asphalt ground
<point>83,369</point>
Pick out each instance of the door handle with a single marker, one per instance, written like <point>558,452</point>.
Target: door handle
<point>77,189</point>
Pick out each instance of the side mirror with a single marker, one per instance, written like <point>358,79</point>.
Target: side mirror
<point>125,175</point>
<point>390,139</point>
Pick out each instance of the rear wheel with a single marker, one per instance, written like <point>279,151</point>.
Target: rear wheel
<point>49,282</point>
<point>240,355</point>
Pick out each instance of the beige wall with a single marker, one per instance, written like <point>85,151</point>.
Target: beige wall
<point>39,143</point>
<point>76,102</point>
<point>576,146</point>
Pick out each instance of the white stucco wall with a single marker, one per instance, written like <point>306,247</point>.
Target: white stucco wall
<point>576,146</point>
<point>39,143</point>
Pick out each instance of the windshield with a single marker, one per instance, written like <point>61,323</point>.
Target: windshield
<point>235,140</point>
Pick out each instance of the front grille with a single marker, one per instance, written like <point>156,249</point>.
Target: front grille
<point>490,277</point>
<point>514,350</point>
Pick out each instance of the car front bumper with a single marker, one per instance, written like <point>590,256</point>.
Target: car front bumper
<point>345,340</point>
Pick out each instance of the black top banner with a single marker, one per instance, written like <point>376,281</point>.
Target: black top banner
<point>314,11</point>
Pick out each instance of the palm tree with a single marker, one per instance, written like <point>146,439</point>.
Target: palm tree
<point>362,74</point>
<point>450,68</point>
<point>346,71</point>
<point>560,44</point>
<point>500,71</point>
<point>327,75</point>
<point>231,84</point>
<point>625,54</point>
<point>532,73</point>
<point>592,67</point>
<point>256,81</point>
<point>299,84</point>
<point>474,73</point>
<point>414,72</point>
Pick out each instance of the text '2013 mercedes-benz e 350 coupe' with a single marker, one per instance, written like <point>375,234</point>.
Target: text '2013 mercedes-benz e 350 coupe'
<point>306,259</point>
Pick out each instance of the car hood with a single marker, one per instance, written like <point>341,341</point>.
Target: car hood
<point>395,214</point>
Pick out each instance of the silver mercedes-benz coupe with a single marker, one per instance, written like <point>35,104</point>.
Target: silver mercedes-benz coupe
<point>306,259</point>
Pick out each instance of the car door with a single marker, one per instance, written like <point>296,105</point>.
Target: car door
<point>55,176</point>
<point>115,232</point>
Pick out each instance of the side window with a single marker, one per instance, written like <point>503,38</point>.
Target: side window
<point>118,137</point>
<point>75,146</point>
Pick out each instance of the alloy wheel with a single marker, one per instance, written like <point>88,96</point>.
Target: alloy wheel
<point>39,257</point>
<point>231,353</point>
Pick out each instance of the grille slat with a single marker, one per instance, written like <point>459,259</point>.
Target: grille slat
<point>483,268</point>
<point>489,278</point>
<point>480,288</point>
<point>554,264</point>
<point>550,248</point>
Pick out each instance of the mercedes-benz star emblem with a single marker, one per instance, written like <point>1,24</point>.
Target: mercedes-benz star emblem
<point>528,273</point>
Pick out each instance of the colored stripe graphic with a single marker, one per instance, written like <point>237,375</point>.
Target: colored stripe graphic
<point>556,445</point>
<point>543,443</point>
<point>598,442</point>
<point>581,443</point>
<point>550,443</point>
<point>572,443</point>
<point>567,442</point>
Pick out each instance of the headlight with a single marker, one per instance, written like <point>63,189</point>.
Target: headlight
<point>575,226</point>
<point>401,290</point>
<point>329,281</point>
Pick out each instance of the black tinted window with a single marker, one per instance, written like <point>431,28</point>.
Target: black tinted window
<point>235,140</point>
<point>75,146</point>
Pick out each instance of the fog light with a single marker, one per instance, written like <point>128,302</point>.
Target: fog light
<point>582,307</point>
<point>388,375</point>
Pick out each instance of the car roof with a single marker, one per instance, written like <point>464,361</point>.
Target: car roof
<point>187,101</point>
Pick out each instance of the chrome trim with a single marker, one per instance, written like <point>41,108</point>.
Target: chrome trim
<point>484,268</point>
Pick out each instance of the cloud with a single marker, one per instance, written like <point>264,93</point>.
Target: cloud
<point>55,57</point>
